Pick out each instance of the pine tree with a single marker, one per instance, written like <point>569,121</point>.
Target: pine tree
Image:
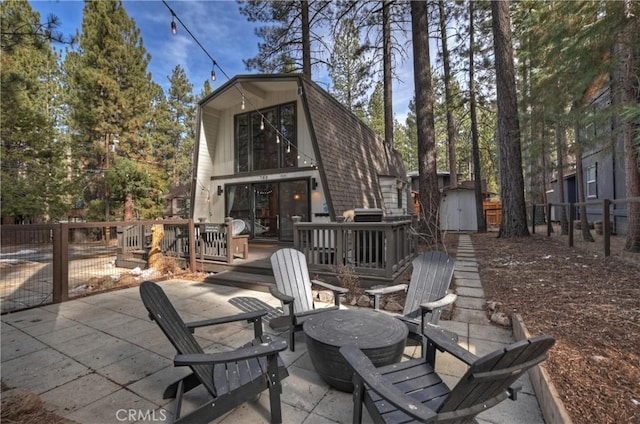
<point>34,180</point>
<point>182,110</point>
<point>349,69</point>
<point>110,92</point>
<point>375,111</point>
<point>287,35</point>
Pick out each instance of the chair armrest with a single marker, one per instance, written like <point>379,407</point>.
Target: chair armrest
<point>440,303</point>
<point>363,367</point>
<point>249,352</point>
<point>440,338</point>
<point>376,293</point>
<point>335,289</point>
<point>281,296</point>
<point>248,316</point>
<point>386,290</point>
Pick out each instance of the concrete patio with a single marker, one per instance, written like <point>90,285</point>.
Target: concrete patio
<point>96,359</point>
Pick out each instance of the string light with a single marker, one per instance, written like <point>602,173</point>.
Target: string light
<point>277,139</point>
<point>242,105</point>
<point>213,74</point>
<point>174,27</point>
<point>261,123</point>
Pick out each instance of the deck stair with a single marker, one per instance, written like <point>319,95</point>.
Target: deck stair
<point>245,280</point>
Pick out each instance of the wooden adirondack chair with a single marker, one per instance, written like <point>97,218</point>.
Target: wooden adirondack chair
<point>293,288</point>
<point>411,391</point>
<point>231,378</point>
<point>426,293</point>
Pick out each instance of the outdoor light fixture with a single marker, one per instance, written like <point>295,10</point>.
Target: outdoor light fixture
<point>277,139</point>
<point>213,74</point>
<point>174,27</point>
<point>220,191</point>
<point>242,105</point>
<point>314,184</point>
<point>262,123</point>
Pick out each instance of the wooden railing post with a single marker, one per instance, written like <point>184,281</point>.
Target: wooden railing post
<point>606,227</point>
<point>57,263</point>
<point>391,250</point>
<point>228,221</point>
<point>533,218</point>
<point>548,218</point>
<point>296,235</point>
<point>192,245</point>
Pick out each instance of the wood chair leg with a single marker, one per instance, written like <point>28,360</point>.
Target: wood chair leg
<point>358,396</point>
<point>274,390</point>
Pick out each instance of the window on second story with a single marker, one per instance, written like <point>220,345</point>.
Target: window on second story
<point>592,181</point>
<point>266,139</point>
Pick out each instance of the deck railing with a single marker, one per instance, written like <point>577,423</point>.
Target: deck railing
<point>377,249</point>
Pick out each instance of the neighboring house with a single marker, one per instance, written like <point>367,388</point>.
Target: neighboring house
<point>270,147</point>
<point>177,201</point>
<point>603,166</point>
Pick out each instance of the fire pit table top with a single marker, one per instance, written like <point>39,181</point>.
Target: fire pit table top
<point>380,336</point>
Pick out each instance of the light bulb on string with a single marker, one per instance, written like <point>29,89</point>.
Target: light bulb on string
<point>277,139</point>
<point>242,105</point>
<point>288,147</point>
<point>213,74</point>
<point>174,27</point>
<point>262,123</point>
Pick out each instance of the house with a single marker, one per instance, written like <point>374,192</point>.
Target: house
<point>176,202</point>
<point>271,147</point>
<point>603,165</point>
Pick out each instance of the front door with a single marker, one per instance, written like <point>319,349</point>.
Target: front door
<point>266,211</point>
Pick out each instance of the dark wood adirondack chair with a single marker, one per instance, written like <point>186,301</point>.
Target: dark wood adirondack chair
<point>231,378</point>
<point>427,292</point>
<point>411,391</point>
<point>293,288</point>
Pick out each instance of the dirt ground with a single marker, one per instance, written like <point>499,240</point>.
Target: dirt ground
<point>590,304</point>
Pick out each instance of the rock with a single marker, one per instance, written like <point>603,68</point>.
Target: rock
<point>363,301</point>
<point>325,296</point>
<point>393,306</point>
<point>492,305</point>
<point>500,319</point>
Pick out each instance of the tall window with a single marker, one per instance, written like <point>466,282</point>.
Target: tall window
<point>266,139</point>
<point>592,181</point>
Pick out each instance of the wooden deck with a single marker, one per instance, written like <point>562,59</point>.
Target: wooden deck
<point>255,273</point>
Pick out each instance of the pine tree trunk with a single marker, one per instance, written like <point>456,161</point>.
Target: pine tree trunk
<point>388,77</point>
<point>514,212</point>
<point>475,143</point>
<point>629,128</point>
<point>306,43</point>
<point>427,167</point>
<point>584,222</point>
<point>451,130</point>
<point>560,143</point>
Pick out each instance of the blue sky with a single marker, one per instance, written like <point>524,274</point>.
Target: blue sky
<point>219,27</point>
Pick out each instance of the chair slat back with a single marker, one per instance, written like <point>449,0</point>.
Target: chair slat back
<point>430,280</point>
<point>292,278</point>
<point>164,314</point>
<point>491,375</point>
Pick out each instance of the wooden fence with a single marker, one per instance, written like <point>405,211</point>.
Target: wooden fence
<point>605,225</point>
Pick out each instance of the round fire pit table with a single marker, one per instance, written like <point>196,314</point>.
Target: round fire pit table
<point>381,337</point>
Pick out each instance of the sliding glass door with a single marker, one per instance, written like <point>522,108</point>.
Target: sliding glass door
<point>268,208</point>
